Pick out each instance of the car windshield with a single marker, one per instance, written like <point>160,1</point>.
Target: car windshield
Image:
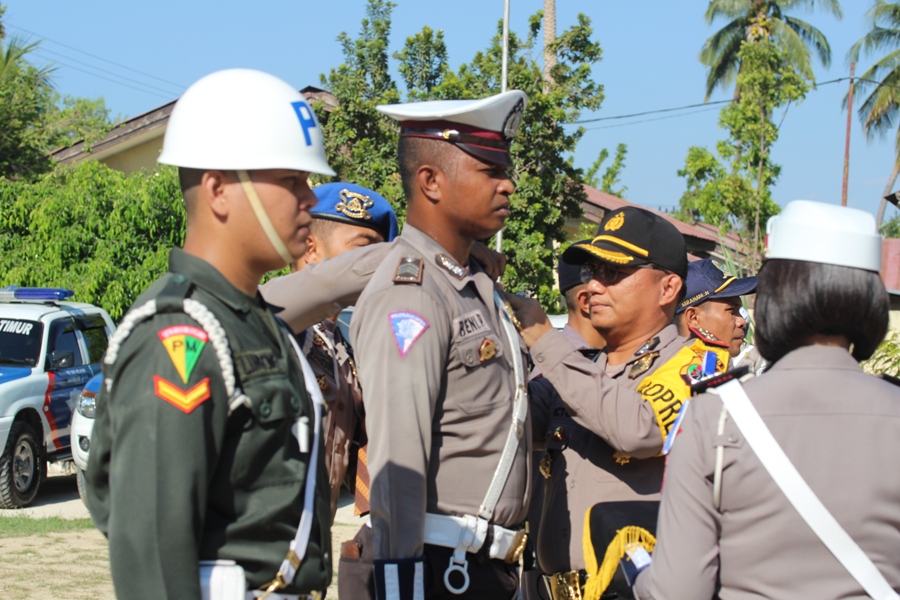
<point>20,342</point>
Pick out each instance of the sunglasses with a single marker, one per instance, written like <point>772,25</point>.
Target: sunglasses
<point>608,274</point>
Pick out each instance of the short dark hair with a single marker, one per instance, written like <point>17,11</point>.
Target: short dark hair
<point>322,228</point>
<point>571,297</point>
<point>413,152</point>
<point>797,299</point>
<point>189,178</point>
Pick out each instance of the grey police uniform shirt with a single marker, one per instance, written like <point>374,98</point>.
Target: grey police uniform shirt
<point>588,413</point>
<point>841,430</point>
<point>320,291</point>
<point>438,407</point>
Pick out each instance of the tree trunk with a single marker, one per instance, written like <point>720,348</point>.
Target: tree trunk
<point>549,37</point>
<point>887,190</point>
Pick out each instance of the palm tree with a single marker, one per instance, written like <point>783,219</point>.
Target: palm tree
<point>879,110</point>
<point>753,20</point>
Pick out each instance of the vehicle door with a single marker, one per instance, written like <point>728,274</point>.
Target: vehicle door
<point>68,372</point>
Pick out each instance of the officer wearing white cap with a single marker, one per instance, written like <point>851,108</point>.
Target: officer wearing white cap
<point>763,475</point>
<point>605,435</point>
<point>207,471</point>
<point>442,366</point>
<point>711,309</point>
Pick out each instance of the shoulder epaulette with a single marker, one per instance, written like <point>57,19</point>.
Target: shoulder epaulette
<point>717,380</point>
<point>409,270</point>
<point>708,337</point>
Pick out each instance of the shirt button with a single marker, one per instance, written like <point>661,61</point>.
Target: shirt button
<point>179,278</point>
<point>470,359</point>
<point>539,358</point>
<point>265,409</point>
<point>295,404</point>
<point>732,438</point>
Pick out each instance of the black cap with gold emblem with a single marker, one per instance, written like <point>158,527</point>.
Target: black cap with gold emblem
<point>632,236</point>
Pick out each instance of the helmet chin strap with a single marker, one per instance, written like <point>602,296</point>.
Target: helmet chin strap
<point>263,218</point>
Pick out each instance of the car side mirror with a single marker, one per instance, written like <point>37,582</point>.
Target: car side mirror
<point>61,360</point>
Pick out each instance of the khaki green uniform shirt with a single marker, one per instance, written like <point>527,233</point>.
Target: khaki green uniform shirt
<point>173,479</point>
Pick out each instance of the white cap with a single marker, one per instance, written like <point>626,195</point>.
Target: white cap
<point>825,233</point>
<point>242,119</point>
<point>484,128</point>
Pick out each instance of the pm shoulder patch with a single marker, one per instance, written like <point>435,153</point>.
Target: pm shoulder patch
<point>407,328</point>
<point>409,270</point>
<point>183,343</point>
<point>184,400</point>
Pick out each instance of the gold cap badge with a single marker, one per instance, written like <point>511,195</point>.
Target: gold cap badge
<point>615,223</point>
<point>355,205</point>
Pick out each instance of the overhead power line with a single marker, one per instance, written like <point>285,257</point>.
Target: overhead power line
<point>40,52</point>
<point>121,66</point>
<point>116,81</point>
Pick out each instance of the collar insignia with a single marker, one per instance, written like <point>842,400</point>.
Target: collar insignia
<point>615,223</point>
<point>451,265</point>
<point>649,345</point>
<point>355,205</point>
<point>642,364</point>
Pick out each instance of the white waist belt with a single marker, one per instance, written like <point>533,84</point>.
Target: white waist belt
<point>468,534</point>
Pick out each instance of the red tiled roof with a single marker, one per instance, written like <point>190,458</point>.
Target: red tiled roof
<point>609,202</point>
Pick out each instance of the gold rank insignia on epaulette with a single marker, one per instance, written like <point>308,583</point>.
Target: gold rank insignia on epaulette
<point>708,337</point>
<point>409,270</point>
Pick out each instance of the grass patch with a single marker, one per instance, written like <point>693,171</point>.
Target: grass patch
<point>25,526</point>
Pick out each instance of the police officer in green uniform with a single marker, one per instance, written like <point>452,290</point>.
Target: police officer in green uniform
<point>207,460</point>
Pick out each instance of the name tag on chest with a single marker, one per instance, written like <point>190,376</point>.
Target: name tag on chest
<point>469,325</point>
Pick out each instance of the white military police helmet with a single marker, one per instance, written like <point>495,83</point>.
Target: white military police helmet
<point>825,233</point>
<point>242,119</point>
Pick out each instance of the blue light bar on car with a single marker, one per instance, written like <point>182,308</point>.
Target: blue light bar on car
<point>40,294</point>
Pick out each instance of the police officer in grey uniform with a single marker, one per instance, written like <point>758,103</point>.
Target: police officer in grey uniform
<point>605,424</point>
<point>207,443</point>
<point>725,527</point>
<point>442,366</point>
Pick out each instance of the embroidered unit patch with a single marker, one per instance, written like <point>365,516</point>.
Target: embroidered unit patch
<point>185,401</point>
<point>183,343</point>
<point>407,328</point>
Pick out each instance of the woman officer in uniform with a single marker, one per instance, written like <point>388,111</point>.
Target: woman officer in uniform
<point>731,530</point>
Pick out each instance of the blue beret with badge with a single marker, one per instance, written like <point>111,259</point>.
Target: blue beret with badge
<point>355,205</point>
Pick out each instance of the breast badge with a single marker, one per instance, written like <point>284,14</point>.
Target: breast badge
<point>546,466</point>
<point>487,350</point>
<point>642,364</point>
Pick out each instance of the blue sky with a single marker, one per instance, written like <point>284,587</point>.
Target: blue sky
<point>649,62</point>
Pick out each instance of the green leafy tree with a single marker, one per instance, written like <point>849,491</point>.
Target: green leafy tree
<point>362,142</point>
<point>740,196</point>
<point>880,83</point>
<point>34,119</point>
<point>891,228</point>
<point>92,229</point>
<point>762,20</point>
<point>612,175</point>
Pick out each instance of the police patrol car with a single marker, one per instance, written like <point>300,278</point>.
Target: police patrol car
<point>49,349</point>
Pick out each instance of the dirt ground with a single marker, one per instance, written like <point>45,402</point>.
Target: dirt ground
<point>74,565</point>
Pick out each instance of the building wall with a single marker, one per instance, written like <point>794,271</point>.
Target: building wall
<point>142,156</point>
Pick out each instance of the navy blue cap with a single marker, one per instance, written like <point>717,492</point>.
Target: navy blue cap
<point>569,274</point>
<point>708,280</point>
<point>355,205</point>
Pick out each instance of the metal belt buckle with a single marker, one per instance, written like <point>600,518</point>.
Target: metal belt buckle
<point>517,547</point>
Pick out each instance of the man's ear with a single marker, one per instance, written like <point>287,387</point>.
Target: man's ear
<point>670,288</point>
<point>583,300</point>
<point>691,316</point>
<point>431,181</point>
<point>215,192</point>
<point>315,253</point>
